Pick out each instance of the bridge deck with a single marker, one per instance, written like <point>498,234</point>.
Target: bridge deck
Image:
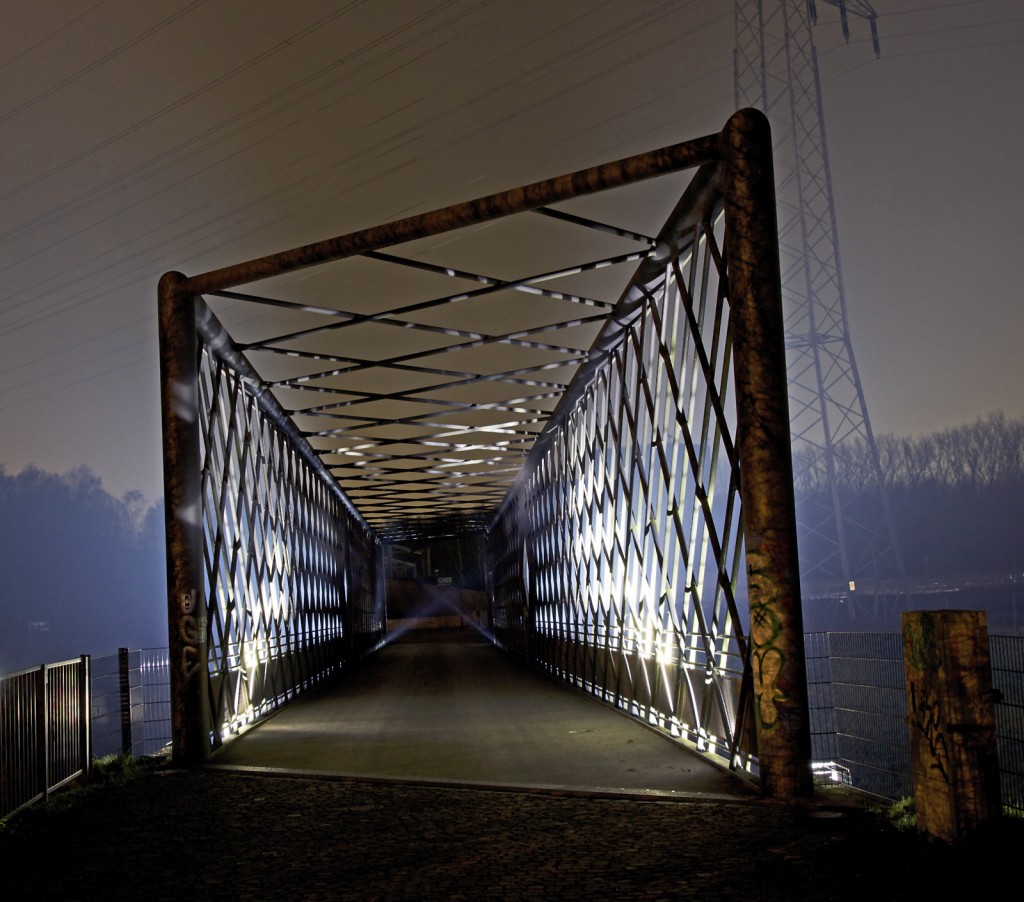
<point>450,706</point>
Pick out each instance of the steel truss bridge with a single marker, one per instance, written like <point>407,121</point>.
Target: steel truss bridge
<point>588,370</point>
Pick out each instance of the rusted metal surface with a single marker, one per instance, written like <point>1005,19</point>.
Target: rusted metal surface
<point>484,209</point>
<point>186,597</point>
<point>422,409</point>
<point>766,470</point>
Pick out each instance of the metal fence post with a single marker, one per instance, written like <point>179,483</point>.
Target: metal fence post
<point>125,692</point>
<point>42,731</point>
<point>766,469</point>
<point>85,706</point>
<point>186,597</point>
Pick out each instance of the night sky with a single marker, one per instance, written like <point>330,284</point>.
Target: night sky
<point>142,137</point>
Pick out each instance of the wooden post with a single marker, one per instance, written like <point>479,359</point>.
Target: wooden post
<point>951,718</point>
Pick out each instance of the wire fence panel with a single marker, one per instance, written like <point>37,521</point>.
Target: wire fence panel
<point>154,708</point>
<point>869,699</point>
<point>855,680</point>
<point>106,706</point>
<point>1008,682</point>
<point>131,706</point>
<point>44,731</point>
<point>23,771</point>
<point>858,697</point>
<point>822,715</point>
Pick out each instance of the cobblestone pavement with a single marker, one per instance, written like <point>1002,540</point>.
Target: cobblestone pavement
<point>218,834</point>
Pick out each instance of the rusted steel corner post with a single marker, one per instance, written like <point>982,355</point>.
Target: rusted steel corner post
<point>766,467</point>
<point>186,598</point>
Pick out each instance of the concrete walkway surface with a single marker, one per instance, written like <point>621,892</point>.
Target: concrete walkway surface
<point>450,706</point>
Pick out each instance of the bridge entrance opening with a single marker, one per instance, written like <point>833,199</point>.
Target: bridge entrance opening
<point>584,376</point>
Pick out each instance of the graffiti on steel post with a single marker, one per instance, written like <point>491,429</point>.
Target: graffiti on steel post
<point>190,630</point>
<point>767,660</point>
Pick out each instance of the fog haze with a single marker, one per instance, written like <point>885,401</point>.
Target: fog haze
<point>121,160</point>
<point>137,138</point>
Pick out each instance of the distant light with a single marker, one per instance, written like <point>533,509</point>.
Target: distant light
<point>831,772</point>
<point>853,585</point>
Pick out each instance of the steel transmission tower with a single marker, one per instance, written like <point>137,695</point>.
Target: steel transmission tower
<point>846,530</point>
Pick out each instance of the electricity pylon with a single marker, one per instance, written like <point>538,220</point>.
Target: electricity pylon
<point>844,535</point>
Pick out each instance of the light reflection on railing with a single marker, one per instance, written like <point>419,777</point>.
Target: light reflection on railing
<point>22,773</point>
<point>44,737</point>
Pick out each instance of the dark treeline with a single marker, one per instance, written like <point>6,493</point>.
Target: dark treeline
<point>956,498</point>
<point>83,571</point>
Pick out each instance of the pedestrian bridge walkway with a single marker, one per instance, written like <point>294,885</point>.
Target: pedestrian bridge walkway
<point>561,382</point>
<point>450,706</point>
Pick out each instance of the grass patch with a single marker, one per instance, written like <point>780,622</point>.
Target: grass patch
<point>902,814</point>
<point>110,771</point>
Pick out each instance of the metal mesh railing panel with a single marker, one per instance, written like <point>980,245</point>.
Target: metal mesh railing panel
<point>290,573</point>
<point>22,769</point>
<point>151,715</point>
<point>67,743</point>
<point>870,703</point>
<point>106,705</point>
<point>859,704</point>
<point>821,709</point>
<point>617,560</point>
<point>144,688</point>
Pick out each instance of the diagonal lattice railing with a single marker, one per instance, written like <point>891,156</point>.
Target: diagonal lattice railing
<point>289,571</point>
<point>654,518</point>
<point>289,566</point>
<point>620,555</point>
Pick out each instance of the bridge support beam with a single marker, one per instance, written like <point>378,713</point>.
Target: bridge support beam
<point>186,596</point>
<point>766,469</point>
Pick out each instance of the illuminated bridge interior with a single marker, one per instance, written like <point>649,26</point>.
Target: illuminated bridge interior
<point>563,381</point>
